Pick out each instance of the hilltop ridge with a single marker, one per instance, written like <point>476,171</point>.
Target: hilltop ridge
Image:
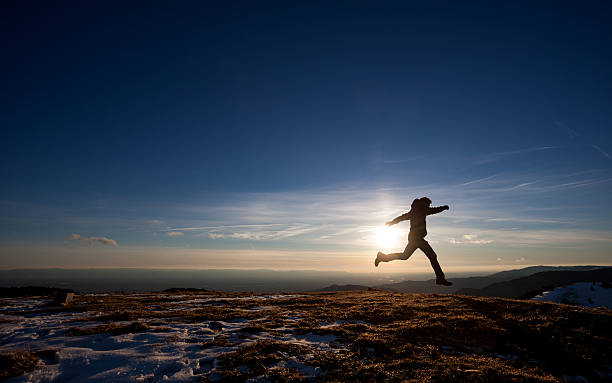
<point>520,283</point>
<point>529,286</point>
<point>327,336</point>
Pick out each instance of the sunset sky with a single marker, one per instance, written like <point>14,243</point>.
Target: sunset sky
<point>283,135</point>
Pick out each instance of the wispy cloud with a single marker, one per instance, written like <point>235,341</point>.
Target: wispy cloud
<point>93,240</point>
<point>219,227</point>
<point>344,218</point>
<point>473,238</point>
<point>292,231</point>
<point>470,239</point>
<point>536,183</point>
<point>601,151</point>
<point>583,140</point>
<point>523,237</point>
<point>571,133</point>
<point>279,232</point>
<point>572,185</point>
<point>501,155</point>
<point>351,229</point>
<point>477,181</point>
<point>158,225</point>
<point>501,214</point>
<point>520,186</point>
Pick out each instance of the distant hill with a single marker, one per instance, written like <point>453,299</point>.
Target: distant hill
<point>460,284</point>
<point>184,290</point>
<point>526,271</point>
<point>260,280</point>
<point>534,284</point>
<point>30,291</point>
<point>335,287</point>
<point>430,286</point>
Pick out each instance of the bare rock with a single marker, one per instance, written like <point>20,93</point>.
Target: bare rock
<point>62,299</point>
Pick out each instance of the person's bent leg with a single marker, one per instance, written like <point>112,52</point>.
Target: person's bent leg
<point>433,258</point>
<point>410,248</point>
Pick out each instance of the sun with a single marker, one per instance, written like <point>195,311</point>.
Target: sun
<point>388,238</point>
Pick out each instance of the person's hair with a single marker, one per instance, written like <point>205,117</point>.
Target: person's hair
<point>426,201</point>
<point>415,203</point>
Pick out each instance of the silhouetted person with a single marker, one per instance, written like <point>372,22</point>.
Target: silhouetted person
<point>416,238</point>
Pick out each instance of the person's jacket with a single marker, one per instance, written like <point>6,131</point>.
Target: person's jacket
<point>418,227</point>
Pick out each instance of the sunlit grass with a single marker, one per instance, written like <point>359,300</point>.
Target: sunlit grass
<point>348,336</point>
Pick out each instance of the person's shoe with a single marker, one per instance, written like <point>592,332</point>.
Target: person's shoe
<point>377,260</point>
<point>443,282</point>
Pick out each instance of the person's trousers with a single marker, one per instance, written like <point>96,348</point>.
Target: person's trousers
<point>413,244</point>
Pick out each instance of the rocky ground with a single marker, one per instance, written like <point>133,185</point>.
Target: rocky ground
<point>335,336</point>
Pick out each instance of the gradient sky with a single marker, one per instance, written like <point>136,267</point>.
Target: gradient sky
<point>284,134</point>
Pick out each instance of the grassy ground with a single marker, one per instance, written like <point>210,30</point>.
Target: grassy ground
<point>448,338</point>
<point>17,363</point>
<point>381,336</point>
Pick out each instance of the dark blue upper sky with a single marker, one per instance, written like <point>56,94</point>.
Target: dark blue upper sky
<point>169,102</point>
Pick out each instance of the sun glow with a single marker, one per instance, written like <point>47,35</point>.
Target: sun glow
<point>389,238</point>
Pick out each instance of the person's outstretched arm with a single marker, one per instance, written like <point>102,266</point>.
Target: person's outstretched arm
<point>436,210</point>
<point>399,219</point>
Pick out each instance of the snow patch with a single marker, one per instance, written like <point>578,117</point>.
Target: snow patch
<point>168,351</point>
<point>585,294</point>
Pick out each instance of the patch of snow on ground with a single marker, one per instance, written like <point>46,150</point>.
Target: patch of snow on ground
<point>585,294</point>
<point>341,322</point>
<point>171,352</point>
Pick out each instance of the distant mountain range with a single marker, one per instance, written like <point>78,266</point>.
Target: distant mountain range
<point>520,283</point>
<point>532,285</point>
<point>260,280</point>
<point>511,284</point>
<point>335,287</point>
<point>30,291</point>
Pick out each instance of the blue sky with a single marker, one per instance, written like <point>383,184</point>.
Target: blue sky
<point>277,135</point>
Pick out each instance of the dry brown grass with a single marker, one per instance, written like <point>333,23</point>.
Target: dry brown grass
<point>17,363</point>
<point>218,341</point>
<point>446,338</point>
<point>404,337</point>
<point>111,328</point>
<point>257,357</point>
<point>128,308</point>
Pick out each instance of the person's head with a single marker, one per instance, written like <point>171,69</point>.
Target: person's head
<point>425,201</point>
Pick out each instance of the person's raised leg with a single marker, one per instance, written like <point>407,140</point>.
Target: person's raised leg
<point>433,258</point>
<point>382,257</point>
